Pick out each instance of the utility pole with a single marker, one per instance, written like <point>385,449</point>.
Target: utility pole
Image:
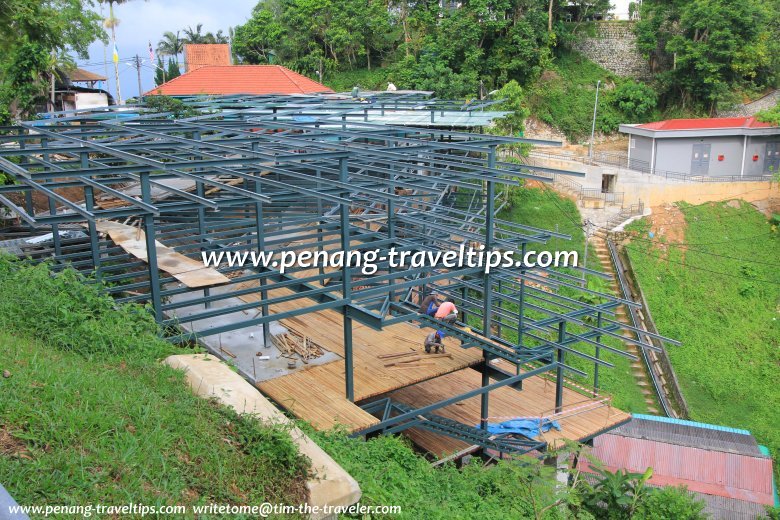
<point>138,72</point>
<point>593,126</point>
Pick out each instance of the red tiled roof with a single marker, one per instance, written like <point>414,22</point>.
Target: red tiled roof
<point>239,79</point>
<point>711,472</point>
<point>197,55</point>
<point>706,124</point>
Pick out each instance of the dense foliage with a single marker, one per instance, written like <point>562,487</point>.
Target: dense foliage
<point>389,472</point>
<point>429,45</point>
<point>717,292</point>
<point>771,115</point>
<point>35,38</point>
<point>714,46</point>
<point>89,415</point>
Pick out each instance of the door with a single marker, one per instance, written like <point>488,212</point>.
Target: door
<point>700,160</point>
<point>772,158</point>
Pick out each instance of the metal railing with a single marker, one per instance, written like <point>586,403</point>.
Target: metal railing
<point>622,161</point>
<point>636,322</point>
<point>661,370</point>
<point>626,213</point>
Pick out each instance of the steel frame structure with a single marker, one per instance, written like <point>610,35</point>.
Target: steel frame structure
<point>252,171</point>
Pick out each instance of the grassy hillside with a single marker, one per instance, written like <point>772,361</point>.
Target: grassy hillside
<point>89,415</point>
<point>719,295</point>
<point>546,209</point>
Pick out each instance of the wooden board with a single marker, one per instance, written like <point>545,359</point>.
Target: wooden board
<point>317,394</point>
<point>190,272</point>
<point>536,399</point>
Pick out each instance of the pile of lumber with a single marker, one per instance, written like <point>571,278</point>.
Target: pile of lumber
<point>412,359</point>
<point>293,343</point>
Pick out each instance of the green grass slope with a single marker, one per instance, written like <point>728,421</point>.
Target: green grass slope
<point>89,415</point>
<point>546,209</point>
<point>720,296</point>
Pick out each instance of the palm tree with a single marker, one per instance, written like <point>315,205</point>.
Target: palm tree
<point>196,36</point>
<point>220,37</point>
<point>171,45</point>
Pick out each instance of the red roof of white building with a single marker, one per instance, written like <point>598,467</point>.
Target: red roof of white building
<point>711,123</point>
<point>239,79</point>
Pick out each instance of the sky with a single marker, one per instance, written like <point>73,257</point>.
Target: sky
<point>143,21</point>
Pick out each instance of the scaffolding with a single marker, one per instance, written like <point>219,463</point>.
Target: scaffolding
<point>317,173</point>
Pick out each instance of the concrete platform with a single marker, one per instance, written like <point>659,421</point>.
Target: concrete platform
<point>245,343</point>
<point>209,377</point>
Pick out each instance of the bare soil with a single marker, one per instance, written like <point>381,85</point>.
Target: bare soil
<point>12,447</point>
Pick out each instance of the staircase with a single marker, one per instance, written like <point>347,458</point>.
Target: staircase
<point>638,369</point>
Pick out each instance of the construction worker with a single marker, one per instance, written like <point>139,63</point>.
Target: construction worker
<point>447,312</point>
<point>429,305</point>
<point>434,341</point>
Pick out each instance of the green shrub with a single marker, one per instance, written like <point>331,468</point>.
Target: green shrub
<point>74,315</point>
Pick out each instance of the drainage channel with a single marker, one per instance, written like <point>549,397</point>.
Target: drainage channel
<point>640,368</point>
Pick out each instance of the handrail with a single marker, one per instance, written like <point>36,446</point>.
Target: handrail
<point>639,166</point>
<point>635,322</point>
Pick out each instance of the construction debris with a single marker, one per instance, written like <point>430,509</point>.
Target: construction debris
<point>293,342</point>
<point>409,362</point>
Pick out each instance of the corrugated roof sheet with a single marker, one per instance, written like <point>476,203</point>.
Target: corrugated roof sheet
<point>84,75</point>
<point>239,79</point>
<point>686,434</point>
<point>673,420</point>
<point>197,55</point>
<point>718,473</point>
<point>705,123</point>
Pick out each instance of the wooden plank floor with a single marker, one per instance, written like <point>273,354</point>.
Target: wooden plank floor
<point>317,394</point>
<point>537,398</point>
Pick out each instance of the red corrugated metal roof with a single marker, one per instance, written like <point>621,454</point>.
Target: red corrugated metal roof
<point>710,472</point>
<point>711,123</point>
<point>239,79</point>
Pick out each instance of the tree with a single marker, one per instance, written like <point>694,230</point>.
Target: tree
<point>770,115</point>
<point>714,47</point>
<point>254,41</point>
<point>173,70</point>
<point>159,71</point>
<point>196,35</point>
<point>35,38</point>
<point>111,23</point>
<point>170,45</point>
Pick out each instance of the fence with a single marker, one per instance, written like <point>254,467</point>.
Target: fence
<point>626,213</point>
<point>619,160</point>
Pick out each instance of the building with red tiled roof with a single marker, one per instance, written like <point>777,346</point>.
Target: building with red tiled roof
<point>723,467</point>
<point>714,147</point>
<point>197,55</point>
<point>239,79</point>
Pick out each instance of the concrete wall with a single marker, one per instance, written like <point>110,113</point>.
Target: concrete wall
<point>614,48</point>
<point>656,194</point>
<point>675,154</point>
<point>757,146</point>
<point>328,485</point>
<point>642,149</point>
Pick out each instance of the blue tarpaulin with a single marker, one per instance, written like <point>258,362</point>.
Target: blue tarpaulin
<point>530,428</point>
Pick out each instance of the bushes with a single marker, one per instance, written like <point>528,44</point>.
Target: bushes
<point>73,315</point>
<point>564,96</point>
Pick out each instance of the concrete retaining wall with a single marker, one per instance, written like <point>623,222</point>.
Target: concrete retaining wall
<point>209,377</point>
